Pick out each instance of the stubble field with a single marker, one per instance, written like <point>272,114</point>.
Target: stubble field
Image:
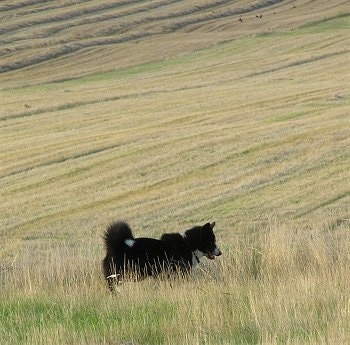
<point>169,114</point>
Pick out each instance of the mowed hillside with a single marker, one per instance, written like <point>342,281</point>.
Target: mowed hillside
<point>171,112</point>
<point>168,114</point>
<point>48,40</point>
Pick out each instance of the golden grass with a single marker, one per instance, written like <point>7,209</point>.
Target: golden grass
<point>209,120</point>
<point>282,285</point>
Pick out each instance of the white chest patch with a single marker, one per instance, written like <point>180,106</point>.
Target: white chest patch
<point>129,242</point>
<point>196,256</point>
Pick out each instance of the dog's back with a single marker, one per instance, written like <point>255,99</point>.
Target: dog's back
<point>139,256</point>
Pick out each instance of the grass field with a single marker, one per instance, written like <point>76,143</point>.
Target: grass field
<point>168,114</point>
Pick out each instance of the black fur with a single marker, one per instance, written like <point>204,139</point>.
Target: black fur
<point>143,256</point>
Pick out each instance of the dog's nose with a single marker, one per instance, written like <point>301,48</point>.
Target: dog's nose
<point>217,252</point>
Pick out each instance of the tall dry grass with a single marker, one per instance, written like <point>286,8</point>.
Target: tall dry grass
<point>283,284</point>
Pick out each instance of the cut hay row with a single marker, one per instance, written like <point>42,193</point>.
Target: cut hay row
<point>75,28</point>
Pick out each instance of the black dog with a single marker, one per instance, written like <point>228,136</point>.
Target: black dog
<point>144,257</point>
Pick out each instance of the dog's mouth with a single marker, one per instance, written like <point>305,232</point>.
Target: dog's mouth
<point>211,254</point>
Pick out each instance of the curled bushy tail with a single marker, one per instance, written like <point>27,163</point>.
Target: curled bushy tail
<point>115,237</point>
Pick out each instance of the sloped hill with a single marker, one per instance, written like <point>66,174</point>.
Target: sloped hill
<point>47,40</point>
<point>175,82</point>
<point>168,114</point>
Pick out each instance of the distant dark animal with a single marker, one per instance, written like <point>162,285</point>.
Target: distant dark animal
<point>142,257</point>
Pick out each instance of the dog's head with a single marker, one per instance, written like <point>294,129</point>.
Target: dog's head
<point>209,241</point>
<point>202,238</point>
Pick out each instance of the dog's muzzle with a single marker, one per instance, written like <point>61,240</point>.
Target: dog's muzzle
<point>211,254</point>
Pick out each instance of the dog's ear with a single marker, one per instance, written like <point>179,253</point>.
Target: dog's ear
<point>206,226</point>
<point>209,226</point>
